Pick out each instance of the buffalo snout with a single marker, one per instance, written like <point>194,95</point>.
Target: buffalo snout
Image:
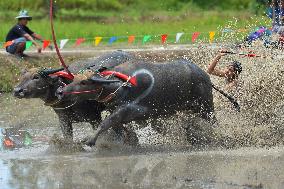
<point>59,93</point>
<point>19,92</point>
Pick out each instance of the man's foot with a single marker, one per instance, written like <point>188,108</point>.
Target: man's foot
<point>19,56</point>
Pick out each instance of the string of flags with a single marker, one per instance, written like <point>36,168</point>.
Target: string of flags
<point>131,39</point>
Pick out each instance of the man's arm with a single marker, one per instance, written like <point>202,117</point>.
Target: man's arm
<point>30,38</point>
<point>36,36</point>
<point>212,66</point>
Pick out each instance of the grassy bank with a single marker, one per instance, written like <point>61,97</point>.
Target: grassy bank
<point>163,24</point>
<point>107,18</point>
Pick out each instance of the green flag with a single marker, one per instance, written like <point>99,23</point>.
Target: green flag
<point>28,44</point>
<point>28,139</point>
<point>146,38</point>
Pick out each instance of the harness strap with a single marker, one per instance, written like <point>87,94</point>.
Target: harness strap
<point>121,76</point>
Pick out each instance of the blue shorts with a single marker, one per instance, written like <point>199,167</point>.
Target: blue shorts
<point>12,48</point>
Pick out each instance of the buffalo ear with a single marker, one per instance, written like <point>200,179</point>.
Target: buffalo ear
<point>54,79</point>
<point>23,71</point>
<point>102,69</point>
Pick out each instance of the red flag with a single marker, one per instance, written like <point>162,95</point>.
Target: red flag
<point>194,36</point>
<point>79,41</point>
<point>45,44</point>
<point>131,39</point>
<point>164,38</point>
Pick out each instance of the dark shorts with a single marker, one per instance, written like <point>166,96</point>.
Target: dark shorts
<point>12,48</point>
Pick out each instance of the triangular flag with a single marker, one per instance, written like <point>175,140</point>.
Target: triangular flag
<point>178,36</point>
<point>164,38</point>
<point>45,44</point>
<point>28,140</point>
<point>7,44</point>
<point>63,43</point>
<point>112,39</point>
<point>28,44</point>
<point>79,41</point>
<point>146,38</point>
<point>211,36</point>
<point>195,36</point>
<point>131,39</point>
<point>98,40</point>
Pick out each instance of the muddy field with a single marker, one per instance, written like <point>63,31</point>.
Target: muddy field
<point>246,149</point>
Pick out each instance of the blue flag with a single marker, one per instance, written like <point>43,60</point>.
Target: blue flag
<point>112,39</point>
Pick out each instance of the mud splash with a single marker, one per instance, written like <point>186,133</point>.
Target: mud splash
<point>165,159</point>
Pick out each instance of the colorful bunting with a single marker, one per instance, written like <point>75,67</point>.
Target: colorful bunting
<point>28,44</point>
<point>164,38</point>
<point>63,43</point>
<point>178,36</point>
<point>79,41</point>
<point>97,40</point>
<point>211,36</point>
<point>131,39</point>
<point>112,39</point>
<point>45,44</point>
<point>146,38</point>
<point>195,36</point>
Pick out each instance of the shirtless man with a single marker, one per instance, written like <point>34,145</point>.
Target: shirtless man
<point>231,72</point>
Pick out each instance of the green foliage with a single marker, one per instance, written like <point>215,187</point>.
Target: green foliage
<point>124,5</point>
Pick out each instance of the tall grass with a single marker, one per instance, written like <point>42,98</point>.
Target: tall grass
<point>205,22</point>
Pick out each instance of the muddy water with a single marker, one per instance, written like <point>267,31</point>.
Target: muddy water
<point>247,150</point>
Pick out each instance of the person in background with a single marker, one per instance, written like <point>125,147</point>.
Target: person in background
<point>20,34</point>
<point>231,72</point>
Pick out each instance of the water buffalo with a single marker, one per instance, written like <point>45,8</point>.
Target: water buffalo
<point>38,83</point>
<point>137,90</point>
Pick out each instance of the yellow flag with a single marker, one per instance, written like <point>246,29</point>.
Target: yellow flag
<point>211,36</point>
<point>97,40</point>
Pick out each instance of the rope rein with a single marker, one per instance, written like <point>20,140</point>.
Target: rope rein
<point>54,39</point>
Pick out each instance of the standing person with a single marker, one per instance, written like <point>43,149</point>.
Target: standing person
<point>20,34</point>
<point>231,72</point>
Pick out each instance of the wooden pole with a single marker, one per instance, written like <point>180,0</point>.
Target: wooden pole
<point>273,12</point>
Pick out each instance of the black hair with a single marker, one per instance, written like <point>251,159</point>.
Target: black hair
<point>237,66</point>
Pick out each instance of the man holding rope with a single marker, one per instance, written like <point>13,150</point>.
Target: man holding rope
<point>19,34</point>
<point>230,73</point>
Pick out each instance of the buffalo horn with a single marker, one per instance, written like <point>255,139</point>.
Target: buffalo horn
<point>46,72</point>
<point>102,80</point>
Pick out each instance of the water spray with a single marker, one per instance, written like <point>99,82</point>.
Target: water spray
<point>231,99</point>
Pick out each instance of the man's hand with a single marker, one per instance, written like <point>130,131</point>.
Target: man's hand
<point>223,52</point>
<point>38,48</point>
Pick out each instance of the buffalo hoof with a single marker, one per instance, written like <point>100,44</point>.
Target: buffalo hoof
<point>61,145</point>
<point>89,141</point>
<point>131,138</point>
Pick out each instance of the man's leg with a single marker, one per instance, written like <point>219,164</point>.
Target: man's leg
<point>17,47</point>
<point>20,47</point>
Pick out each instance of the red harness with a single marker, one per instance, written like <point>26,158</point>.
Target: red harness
<point>119,75</point>
<point>63,74</point>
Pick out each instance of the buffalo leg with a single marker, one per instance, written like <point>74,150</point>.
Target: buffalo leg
<point>120,116</point>
<point>66,128</point>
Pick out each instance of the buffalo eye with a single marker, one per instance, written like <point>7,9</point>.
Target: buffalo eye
<point>83,83</point>
<point>35,77</point>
